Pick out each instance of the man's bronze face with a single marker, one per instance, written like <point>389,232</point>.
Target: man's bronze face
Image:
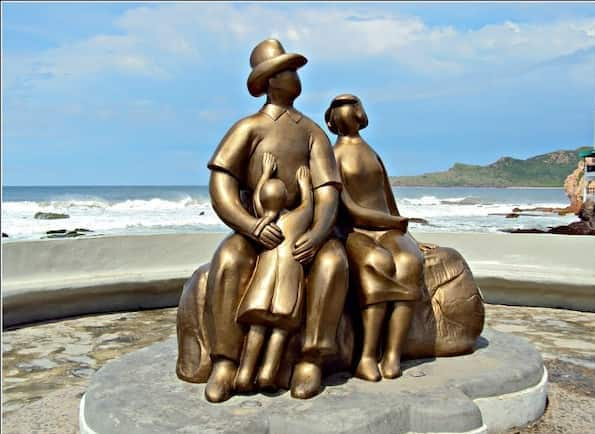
<point>288,82</point>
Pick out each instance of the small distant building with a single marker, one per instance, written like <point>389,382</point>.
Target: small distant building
<point>589,175</point>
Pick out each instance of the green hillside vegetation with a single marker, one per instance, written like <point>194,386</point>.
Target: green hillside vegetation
<point>547,170</point>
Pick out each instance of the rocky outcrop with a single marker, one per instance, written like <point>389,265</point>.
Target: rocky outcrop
<point>585,226</point>
<point>50,216</point>
<point>574,186</point>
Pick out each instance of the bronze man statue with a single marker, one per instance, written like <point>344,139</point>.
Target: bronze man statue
<point>236,167</point>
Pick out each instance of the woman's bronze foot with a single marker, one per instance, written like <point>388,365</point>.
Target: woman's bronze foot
<point>367,369</point>
<point>390,366</point>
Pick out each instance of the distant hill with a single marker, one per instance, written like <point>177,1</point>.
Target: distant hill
<point>547,170</point>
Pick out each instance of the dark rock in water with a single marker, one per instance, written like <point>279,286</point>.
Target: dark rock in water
<point>513,215</point>
<point>202,213</point>
<point>50,216</point>
<point>465,201</point>
<point>559,211</point>
<point>418,220</point>
<point>575,228</point>
<point>586,225</point>
<point>4,235</point>
<point>523,231</point>
<point>63,233</point>
<point>56,231</point>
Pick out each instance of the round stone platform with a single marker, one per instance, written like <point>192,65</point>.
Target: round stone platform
<point>502,385</point>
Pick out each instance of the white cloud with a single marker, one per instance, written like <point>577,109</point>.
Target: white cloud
<point>156,41</point>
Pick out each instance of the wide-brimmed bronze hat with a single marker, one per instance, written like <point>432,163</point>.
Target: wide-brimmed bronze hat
<point>267,59</point>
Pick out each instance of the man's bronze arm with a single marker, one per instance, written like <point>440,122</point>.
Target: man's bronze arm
<point>225,197</point>
<point>326,205</point>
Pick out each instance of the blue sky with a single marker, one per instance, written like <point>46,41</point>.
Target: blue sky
<point>141,94</point>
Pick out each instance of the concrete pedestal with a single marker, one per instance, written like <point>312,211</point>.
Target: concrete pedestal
<point>502,385</point>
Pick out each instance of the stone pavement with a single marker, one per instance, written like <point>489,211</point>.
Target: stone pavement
<point>46,367</point>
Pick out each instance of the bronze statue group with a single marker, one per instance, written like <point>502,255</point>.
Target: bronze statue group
<point>320,273</point>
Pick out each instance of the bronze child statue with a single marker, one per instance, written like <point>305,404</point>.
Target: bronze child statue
<point>274,297</point>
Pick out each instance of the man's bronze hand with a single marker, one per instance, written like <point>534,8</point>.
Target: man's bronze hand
<point>306,247</point>
<point>267,233</point>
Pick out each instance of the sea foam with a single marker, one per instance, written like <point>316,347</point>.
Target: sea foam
<point>159,209</point>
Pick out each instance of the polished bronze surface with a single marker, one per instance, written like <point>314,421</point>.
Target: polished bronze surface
<point>385,261</point>
<point>272,309</point>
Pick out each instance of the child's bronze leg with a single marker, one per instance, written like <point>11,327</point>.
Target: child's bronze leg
<point>245,376</point>
<point>272,358</point>
<point>373,318</point>
<point>398,327</point>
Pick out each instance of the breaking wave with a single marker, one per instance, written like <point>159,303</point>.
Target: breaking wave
<point>162,209</point>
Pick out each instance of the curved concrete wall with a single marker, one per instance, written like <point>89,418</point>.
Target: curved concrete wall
<point>49,279</point>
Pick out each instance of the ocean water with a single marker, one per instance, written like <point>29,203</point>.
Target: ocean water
<point>167,209</point>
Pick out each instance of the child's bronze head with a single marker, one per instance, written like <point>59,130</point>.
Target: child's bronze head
<point>273,196</point>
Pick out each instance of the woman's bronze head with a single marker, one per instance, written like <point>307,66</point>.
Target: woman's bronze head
<point>346,115</point>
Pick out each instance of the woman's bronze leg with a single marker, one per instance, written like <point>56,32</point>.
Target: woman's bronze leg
<point>409,265</point>
<point>373,318</point>
<point>398,327</point>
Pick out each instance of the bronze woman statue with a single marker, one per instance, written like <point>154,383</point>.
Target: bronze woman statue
<point>384,259</point>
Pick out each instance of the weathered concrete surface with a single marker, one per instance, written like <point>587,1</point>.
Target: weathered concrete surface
<point>42,385</point>
<point>49,279</point>
<point>140,393</point>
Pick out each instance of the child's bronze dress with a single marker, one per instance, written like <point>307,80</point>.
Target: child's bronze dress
<point>276,290</point>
